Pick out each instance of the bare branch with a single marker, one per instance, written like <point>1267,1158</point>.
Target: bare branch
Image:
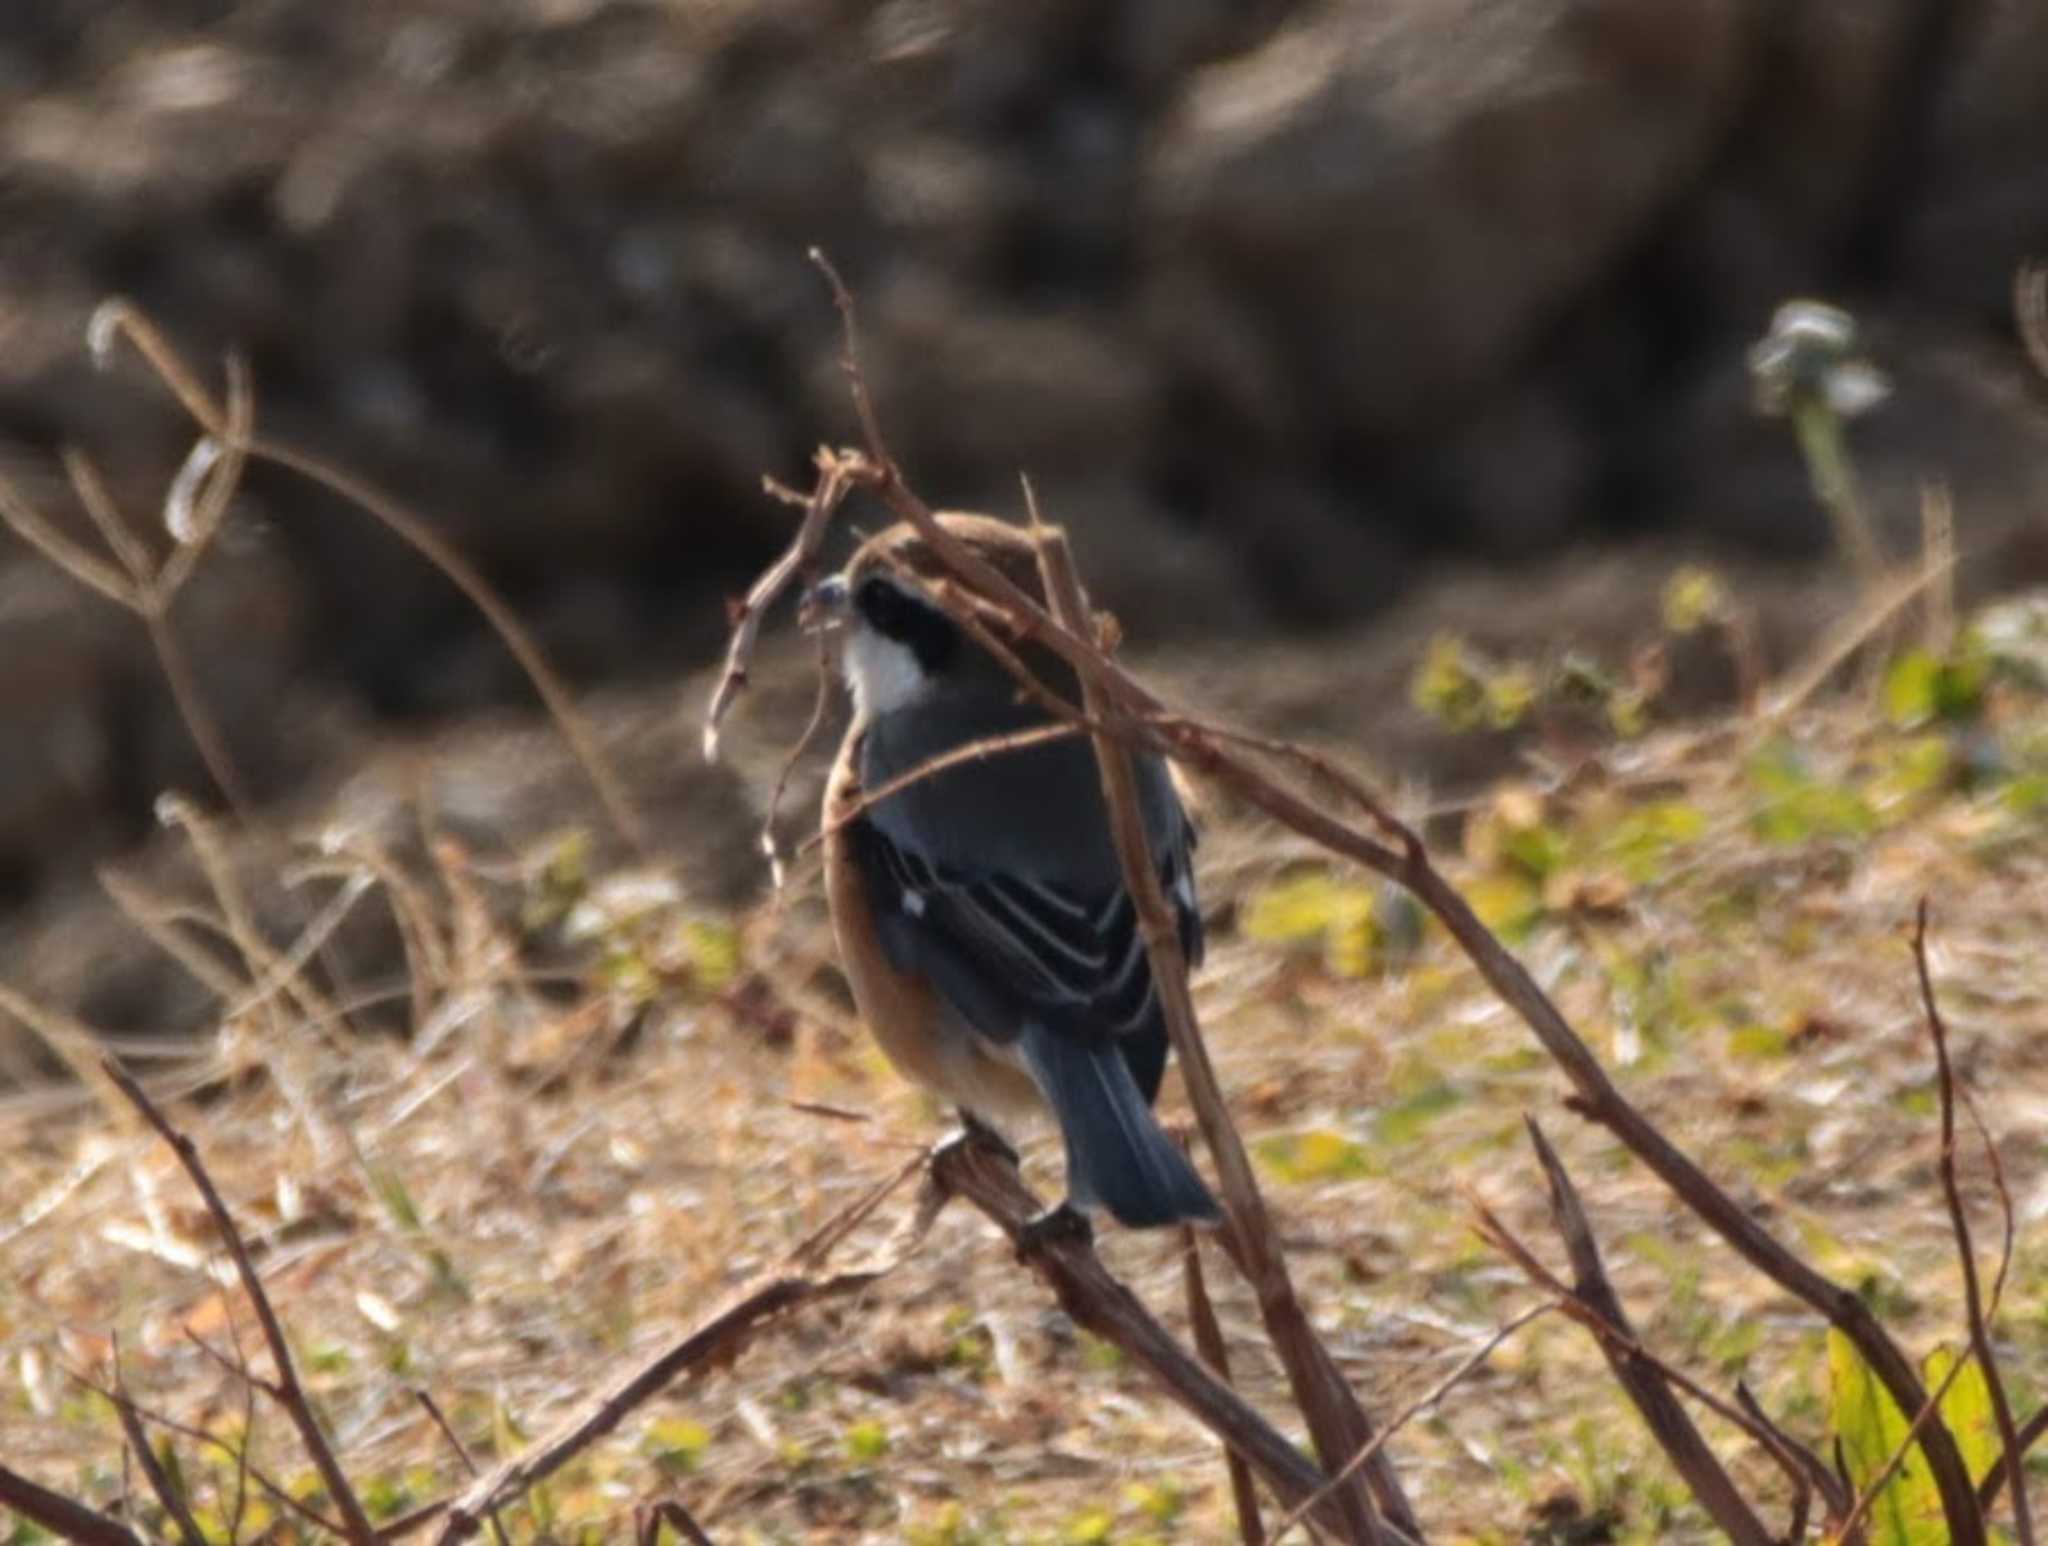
<point>1834,1495</point>
<point>1642,1380</point>
<point>1102,1304</point>
<point>291,1395</point>
<point>426,1400</point>
<point>834,479</point>
<point>1423,1403</point>
<point>1335,1419</point>
<point>63,1517</point>
<point>1244,1496</point>
<point>1504,1240</point>
<point>1966,1253</point>
<point>173,1500</point>
<point>648,1519</point>
<point>239,1453</point>
<point>718,1338</point>
<point>2029,1435</point>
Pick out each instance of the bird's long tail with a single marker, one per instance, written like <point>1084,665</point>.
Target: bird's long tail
<point>1118,1156</point>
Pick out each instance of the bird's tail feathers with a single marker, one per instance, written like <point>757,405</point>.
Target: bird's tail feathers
<point>1118,1156</point>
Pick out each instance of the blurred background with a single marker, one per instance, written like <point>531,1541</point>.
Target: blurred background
<point>1293,311</point>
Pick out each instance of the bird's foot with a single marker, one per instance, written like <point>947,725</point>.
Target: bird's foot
<point>1064,1222</point>
<point>975,1131</point>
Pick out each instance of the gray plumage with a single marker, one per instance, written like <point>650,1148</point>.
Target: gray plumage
<point>999,883</point>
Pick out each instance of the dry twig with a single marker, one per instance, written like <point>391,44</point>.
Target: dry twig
<point>286,1389</point>
<point>1641,1378</point>
<point>447,1429</point>
<point>1101,1304</point>
<point>167,1493</point>
<point>1966,1254</point>
<point>1335,1419</point>
<point>61,1516</point>
<point>716,1339</point>
<point>1504,1240</point>
<point>1139,719</point>
<point>648,1519</point>
<point>1244,1495</point>
<point>1421,1404</point>
<point>229,430</point>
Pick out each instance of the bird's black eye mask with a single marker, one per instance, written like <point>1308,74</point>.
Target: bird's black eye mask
<point>911,621</point>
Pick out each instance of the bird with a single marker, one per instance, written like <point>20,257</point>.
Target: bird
<point>981,912</point>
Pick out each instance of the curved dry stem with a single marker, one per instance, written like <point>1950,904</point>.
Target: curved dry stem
<point>1966,1253</point>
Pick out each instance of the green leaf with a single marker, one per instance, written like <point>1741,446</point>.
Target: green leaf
<point>1909,688</point>
<point>1302,907</point>
<point>1448,685</point>
<point>1693,597</point>
<point>1966,1410</point>
<point>1537,849</point>
<point>2026,794</point>
<point>1758,1041</point>
<point>1646,840</point>
<point>1508,903</point>
<point>676,1444</point>
<point>714,953</point>
<point>1921,686</point>
<point>1510,695</point>
<point>1907,1512</point>
<point>867,1442</point>
<point>1796,807</point>
<point>1315,1155</point>
<point>1408,1116</point>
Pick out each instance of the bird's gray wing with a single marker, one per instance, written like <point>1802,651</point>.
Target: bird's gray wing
<point>998,881</point>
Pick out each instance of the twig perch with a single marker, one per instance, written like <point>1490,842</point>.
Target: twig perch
<point>1103,1305</point>
<point>1335,1419</point>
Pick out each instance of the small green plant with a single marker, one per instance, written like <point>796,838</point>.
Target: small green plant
<point>676,1444</point>
<point>1808,370</point>
<point>1872,1431</point>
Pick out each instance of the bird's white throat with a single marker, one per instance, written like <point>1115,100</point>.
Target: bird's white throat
<point>882,674</point>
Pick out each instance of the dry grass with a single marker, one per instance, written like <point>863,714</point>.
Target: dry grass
<point>471,1230</point>
<point>538,1190</point>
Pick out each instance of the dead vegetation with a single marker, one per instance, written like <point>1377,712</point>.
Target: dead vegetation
<point>640,1256</point>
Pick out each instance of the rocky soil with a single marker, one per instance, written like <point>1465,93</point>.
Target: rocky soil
<point>1281,304</point>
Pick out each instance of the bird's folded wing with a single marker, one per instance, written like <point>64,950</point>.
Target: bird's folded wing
<point>1005,948</point>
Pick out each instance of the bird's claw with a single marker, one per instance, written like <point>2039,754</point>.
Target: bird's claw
<point>1064,1222</point>
<point>974,1131</point>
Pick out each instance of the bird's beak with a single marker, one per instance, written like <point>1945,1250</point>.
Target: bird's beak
<point>824,605</point>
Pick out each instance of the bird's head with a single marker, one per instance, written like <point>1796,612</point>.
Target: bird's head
<point>897,645</point>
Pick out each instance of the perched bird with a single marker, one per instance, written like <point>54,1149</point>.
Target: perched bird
<point>981,912</point>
